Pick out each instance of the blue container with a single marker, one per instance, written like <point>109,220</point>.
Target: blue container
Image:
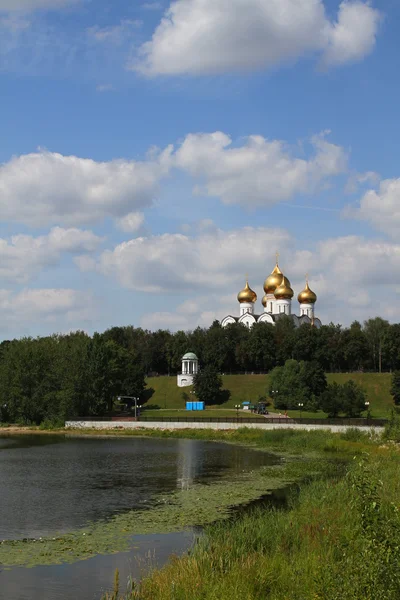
<point>189,405</point>
<point>199,405</point>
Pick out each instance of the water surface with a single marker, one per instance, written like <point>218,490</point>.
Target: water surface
<point>54,484</point>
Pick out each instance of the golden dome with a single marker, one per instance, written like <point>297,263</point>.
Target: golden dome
<point>284,291</point>
<point>264,301</point>
<point>307,296</point>
<point>273,281</point>
<point>247,294</point>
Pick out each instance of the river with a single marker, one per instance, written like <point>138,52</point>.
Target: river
<point>51,485</point>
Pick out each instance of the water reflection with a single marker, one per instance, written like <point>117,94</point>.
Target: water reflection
<point>89,579</point>
<point>53,484</point>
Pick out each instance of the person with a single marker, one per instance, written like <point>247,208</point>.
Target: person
<point>286,413</point>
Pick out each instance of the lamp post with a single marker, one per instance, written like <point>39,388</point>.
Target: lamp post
<point>274,394</point>
<point>237,406</point>
<point>300,405</point>
<point>130,398</point>
<point>367,409</point>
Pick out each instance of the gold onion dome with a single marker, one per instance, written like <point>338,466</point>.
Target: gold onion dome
<point>307,296</point>
<point>264,301</point>
<point>247,294</point>
<point>273,281</point>
<point>284,291</point>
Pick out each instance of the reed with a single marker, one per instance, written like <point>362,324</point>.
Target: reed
<point>339,538</point>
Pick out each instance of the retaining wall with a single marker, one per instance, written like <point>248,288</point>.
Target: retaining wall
<point>204,425</point>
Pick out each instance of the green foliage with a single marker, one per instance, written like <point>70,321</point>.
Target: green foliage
<point>297,382</point>
<point>331,400</point>
<point>392,428</point>
<point>395,387</point>
<point>208,385</point>
<point>337,539</point>
<point>348,398</point>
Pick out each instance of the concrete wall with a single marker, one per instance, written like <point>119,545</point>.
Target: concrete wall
<point>204,425</point>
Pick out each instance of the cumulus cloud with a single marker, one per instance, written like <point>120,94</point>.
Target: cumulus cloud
<point>131,222</point>
<point>175,263</point>
<point>29,5</point>
<point>24,256</point>
<point>46,310</point>
<point>212,36</point>
<point>353,36</point>
<point>380,207</point>
<point>48,188</point>
<point>260,172</point>
<point>354,277</point>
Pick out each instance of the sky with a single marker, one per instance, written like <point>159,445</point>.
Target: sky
<point>154,153</point>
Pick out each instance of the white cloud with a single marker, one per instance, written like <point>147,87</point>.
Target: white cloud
<point>29,5</point>
<point>213,36</point>
<point>353,36</point>
<point>354,278</point>
<point>131,222</point>
<point>20,311</point>
<point>25,256</point>
<point>45,187</point>
<point>175,263</point>
<point>381,208</point>
<point>260,172</point>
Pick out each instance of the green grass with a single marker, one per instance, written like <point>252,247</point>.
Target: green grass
<point>339,539</point>
<point>208,412</point>
<point>167,395</point>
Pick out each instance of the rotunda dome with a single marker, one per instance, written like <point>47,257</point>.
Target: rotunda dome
<point>247,294</point>
<point>307,296</point>
<point>284,291</point>
<point>189,356</point>
<point>273,281</point>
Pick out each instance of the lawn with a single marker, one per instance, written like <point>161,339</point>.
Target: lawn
<point>208,412</point>
<point>165,394</point>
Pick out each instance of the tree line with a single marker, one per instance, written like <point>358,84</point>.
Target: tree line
<point>372,346</point>
<point>64,376</point>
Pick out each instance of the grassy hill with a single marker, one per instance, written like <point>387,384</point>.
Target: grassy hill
<point>167,396</point>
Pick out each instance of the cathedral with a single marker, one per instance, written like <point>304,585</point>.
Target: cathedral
<point>277,302</point>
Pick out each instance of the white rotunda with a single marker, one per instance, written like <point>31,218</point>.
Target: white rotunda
<point>190,366</point>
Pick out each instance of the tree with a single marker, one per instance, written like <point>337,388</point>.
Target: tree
<point>331,400</point>
<point>297,382</point>
<point>260,348</point>
<point>354,346</point>
<point>375,331</point>
<point>208,385</point>
<point>353,399</point>
<point>395,388</point>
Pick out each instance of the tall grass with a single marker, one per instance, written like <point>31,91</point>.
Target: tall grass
<point>338,539</point>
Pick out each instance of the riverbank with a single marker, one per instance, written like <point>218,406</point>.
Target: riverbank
<point>302,456</point>
<point>338,539</point>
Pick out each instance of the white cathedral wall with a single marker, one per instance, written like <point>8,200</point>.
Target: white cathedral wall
<point>307,309</point>
<point>247,319</point>
<point>271,301</point>
<point>283,306</point>
<point>246,307</point>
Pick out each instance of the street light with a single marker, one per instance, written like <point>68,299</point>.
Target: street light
<point>300,405</point>
<point>237,406</point>
<point>367,409</point>
<point>274,394</point>
<point>130,398</point>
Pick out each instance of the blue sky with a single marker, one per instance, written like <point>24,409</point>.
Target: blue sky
<point>153,153</point>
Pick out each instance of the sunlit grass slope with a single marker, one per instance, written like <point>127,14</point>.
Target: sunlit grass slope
<point>168,396</point>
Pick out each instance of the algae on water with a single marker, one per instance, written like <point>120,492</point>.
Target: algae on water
<point>200,505</point>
